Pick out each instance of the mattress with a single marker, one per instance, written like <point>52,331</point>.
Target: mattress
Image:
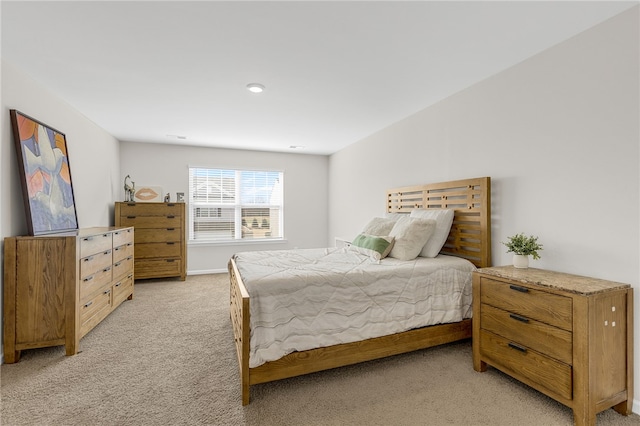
<point>311,298</point>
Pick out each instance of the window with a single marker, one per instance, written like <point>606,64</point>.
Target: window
<point>226,205</point>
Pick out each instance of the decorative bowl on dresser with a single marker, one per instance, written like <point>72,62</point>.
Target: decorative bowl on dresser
<point>570,337</point>
<point>58,287</point>
<point>160,237</point>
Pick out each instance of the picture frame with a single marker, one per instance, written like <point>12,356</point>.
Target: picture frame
<point>45,176</point>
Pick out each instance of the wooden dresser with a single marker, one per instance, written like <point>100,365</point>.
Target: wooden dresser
<point>160,237</point>
<point>58,287</point>
<point>569,337</point>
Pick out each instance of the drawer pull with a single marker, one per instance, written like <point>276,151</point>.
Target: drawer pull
<point>171,216</point>
<point>88,279</point>
<point>119,284</point>
<point>518,288</point>
<point>131,204</point>
<point>171,229</point>
<point>107,269</point>
<point>517,347</point>
<point>107,252</point>
<point>171,260</point>
<point>170,205</point>
<point>106,292</point>
<point>116,233</point>
<point>88,259</point>
<point>131,217</point>
<point>87,239</point>
<point>86,305</point>
<point>117,264</point>
<point>519,318</point>
<point>105,235</point>
<point>170,243</point>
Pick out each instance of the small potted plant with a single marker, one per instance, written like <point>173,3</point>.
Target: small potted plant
<point>522,247</point>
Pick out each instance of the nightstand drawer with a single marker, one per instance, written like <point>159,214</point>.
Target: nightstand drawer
<point>553,375</point>
<point>542,306</point>
<point>544,338</point>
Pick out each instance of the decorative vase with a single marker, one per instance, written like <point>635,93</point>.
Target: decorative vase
<point>520,261</point>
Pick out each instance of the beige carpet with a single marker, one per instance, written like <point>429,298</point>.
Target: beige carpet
<point>166,358</point>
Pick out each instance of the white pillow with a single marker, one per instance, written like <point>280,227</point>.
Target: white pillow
<point>395,216</point>
<point>379,226</point>
<point>444,219</point>
<point>411,234</point>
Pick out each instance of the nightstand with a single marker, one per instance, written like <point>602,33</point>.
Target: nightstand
<point>342,242</point>
<point>570,337</point>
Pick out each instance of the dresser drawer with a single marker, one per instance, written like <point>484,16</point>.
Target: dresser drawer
<point>123,267</point>
<point>122,237</point>
<point>159,235</point>
<point>151,209</point>
<point>541,337</point>
<point>122,252</point>
<point>542,370</point>
<point>152,250</point>
<point>94,244</point>
<point>146,268</point>
<point>151,222</point>
<point>94,310</point>
<point>94,263</point>
<point>122,288</point>
<point>540,305</point>
<point>94,283</point>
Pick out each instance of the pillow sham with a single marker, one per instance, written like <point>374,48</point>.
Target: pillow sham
<point>411,234</point>
<point>379,226</point>
<point>373,246</point>
<point>444,219</point>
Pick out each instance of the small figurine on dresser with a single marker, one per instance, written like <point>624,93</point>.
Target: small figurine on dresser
<point>129,190</point>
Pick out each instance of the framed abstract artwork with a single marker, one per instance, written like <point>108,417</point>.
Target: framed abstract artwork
<point>45,175</point>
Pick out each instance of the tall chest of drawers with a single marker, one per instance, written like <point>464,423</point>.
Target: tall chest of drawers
<point>159,236</point>
<point>567,336</point>
<point>58,287</point>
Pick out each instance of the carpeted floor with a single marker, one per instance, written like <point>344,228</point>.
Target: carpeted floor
<point>167,358</point>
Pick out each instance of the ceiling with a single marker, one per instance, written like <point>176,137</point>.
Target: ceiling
<point>335,72</point>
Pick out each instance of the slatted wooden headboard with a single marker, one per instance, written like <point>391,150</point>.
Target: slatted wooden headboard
<point>470,235</point>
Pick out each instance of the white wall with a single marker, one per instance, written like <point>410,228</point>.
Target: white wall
<point>305,196</point>
<point>93,154</point>
<point>559,136</point>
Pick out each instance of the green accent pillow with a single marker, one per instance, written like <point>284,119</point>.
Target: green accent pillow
<point>371,245</point>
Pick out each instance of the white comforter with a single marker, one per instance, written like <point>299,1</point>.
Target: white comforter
<point>305,299</point>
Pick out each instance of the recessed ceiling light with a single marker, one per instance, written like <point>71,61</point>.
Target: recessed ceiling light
<point>255,87</point>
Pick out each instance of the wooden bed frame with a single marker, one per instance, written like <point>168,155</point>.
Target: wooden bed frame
<point>469,238</point>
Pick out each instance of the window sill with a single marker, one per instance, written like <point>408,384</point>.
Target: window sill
<point>199,243</point>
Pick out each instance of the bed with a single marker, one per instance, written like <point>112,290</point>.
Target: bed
<point>469,238</point>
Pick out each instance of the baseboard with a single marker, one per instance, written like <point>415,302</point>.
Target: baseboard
<point>207,271</point>
<point>635,408</point>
